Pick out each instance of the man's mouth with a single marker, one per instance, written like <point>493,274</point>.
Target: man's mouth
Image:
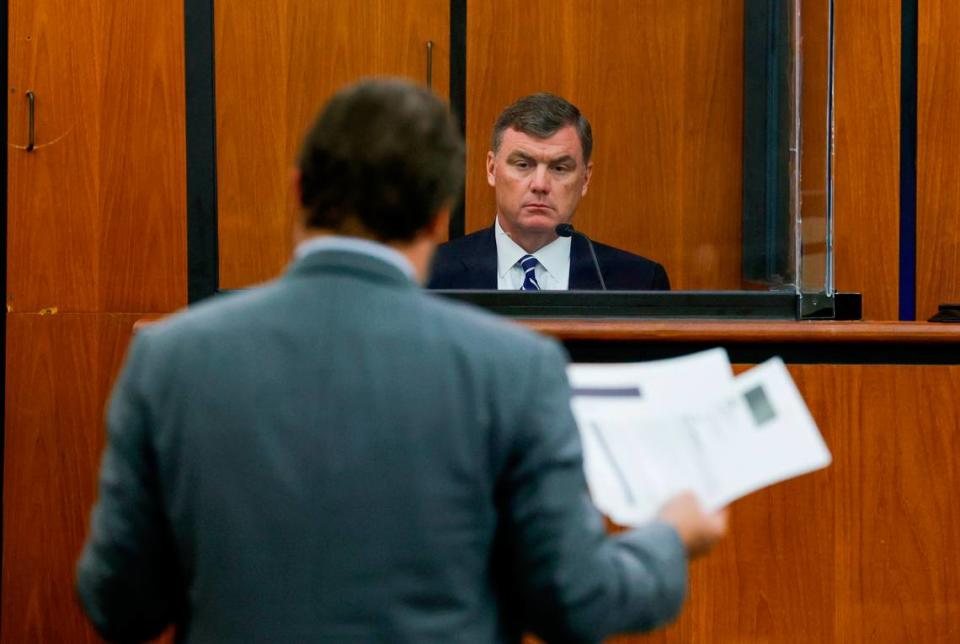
<point>541,206</point>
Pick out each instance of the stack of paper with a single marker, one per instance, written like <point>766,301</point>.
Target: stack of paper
<point>653,429</point>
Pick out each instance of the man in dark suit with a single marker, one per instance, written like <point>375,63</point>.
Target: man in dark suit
<point>339,456</point>
<point>539,166</point>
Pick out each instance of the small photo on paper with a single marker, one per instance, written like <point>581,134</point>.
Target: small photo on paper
<point>759,405</point>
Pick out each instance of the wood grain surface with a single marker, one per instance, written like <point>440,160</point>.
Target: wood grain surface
<point>59,372</point>
<point>862,551</point>
<point>661,83</point>
<point>96,238</point>
<point>867,161</point>
<point>277,63</point>
<point>938,166</point>
<point>97,212</point>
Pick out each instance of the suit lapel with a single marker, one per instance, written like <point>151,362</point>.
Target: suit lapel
<point>583,276</point>
<point>480,262</point>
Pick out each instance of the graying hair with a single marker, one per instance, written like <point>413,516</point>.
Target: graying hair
<point>542,115</point>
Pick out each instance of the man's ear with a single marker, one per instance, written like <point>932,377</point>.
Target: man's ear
<point>295,185</point>
<point>586,179</point>
<point>491,169</point>
<point>438,229</point>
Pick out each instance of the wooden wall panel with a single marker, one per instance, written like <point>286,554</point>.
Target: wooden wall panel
<point>52,199</point>
<point>97,217</point>
<point>938,167</point>
<point>861,551</point>
<point>277,62</point>
<point>96,237</point>
<point>142,248</point>
<point>59,372</point>
<point>661,83</point>
<point>867,161</point>
<point>898,526</point>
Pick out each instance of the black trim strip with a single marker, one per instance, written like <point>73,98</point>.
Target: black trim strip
<point>871,353</point>
<point>908,160</point>
<point>203,253</point>
<point>710,305</point>
<point>766,143</point>
<point>458,95</point>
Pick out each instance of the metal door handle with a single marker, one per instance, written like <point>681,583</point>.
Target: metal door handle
<point>31,121</point>
<point>429,64</point>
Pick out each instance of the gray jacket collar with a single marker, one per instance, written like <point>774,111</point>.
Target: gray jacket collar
<point>348,262</point>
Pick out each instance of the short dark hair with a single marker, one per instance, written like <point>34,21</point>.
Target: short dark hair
<point>384,153</point>
<point>541,115</point>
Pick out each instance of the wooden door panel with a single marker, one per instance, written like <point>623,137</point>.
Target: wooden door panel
<point>142,158</point>
<point>867,162</point>
<point>938,168</point>
<point>52,202</point>
<point>59,371</point>
<point>97,213</point>
<point>661,83</point>
<point>277,63</point>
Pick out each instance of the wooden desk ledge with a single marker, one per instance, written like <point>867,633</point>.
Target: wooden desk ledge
<point>744,331</point>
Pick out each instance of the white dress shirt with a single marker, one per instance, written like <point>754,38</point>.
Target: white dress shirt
<point>553,263</point>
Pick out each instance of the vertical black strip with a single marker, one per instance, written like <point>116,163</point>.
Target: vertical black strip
<point>908,160</point>
<point>766,143</point>
<point>4,80</point>
<point>203,277</point>
<point>458,93</point>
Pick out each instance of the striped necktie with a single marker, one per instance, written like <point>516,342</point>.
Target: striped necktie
<point>529,265</point>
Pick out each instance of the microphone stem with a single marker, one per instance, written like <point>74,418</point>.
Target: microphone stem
<point>596,264</point>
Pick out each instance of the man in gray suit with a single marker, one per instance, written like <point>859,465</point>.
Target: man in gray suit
<point>340,456</point>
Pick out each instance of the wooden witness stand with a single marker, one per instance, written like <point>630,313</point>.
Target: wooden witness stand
<point>863,550</point>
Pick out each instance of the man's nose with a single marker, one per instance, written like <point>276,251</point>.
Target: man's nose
<point>541,180</point>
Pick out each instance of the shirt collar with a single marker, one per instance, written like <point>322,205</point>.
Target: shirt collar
<point>356,245</point>
<point>553,257</point>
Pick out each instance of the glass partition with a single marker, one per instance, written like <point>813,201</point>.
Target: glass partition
<point>712,123</point>
<point>814,177</point>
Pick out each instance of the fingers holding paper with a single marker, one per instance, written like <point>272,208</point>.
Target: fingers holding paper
<point>699,530</point>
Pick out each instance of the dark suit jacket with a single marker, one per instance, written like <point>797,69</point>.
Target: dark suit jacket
<point>470,262</point>
<point>340,456</point>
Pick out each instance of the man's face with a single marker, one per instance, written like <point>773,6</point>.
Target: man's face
<point>538,182</point>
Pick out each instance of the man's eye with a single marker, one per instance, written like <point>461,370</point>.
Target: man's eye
<point>522,164</point>
<point>561,168</point>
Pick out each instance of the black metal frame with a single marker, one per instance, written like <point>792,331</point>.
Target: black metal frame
<point>807,352</point>
<point>634,304</point>
<point>766,142</point>
<point>458,95</point>
<point>203,250</point>
<point>907,287</point>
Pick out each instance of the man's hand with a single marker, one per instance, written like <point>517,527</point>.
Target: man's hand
<point>698,530</point>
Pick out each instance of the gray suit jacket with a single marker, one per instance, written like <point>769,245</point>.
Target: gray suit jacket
<point>340,456</point>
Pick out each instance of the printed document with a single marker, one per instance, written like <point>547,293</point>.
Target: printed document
<point>651,430</point>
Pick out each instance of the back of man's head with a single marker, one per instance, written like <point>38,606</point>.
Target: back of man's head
<point>384,154</point>
<point>541,116</point>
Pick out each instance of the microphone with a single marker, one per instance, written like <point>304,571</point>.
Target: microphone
<point>566,230</point>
